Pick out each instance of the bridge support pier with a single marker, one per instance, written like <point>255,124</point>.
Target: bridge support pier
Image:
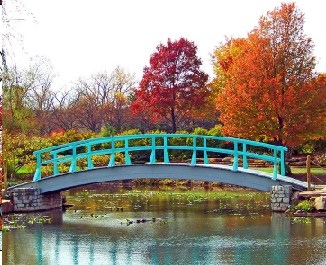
<point>281,197</point>
<point>31,199</point>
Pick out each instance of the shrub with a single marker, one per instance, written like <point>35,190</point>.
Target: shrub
<point>305,205</point>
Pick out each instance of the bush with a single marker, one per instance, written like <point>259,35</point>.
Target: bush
<point>305,205</point>
<point>216,131</point>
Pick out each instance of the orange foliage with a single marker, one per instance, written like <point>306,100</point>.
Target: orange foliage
<point>270,91</point>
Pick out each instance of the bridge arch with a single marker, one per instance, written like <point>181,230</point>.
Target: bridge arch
<point>213,173</point>
<point>152,143</point>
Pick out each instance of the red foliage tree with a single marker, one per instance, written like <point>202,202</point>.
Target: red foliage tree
<point>270,90</point>
<point>173,87</point>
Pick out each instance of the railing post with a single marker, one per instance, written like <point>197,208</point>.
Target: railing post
<point>89,157</point>
<point>194,158</point>
<point>244,157</point>
<point>74,160</point>
<point>127,156</point>
<point>275,165</point>
<point>282,163</point>
<point>166,152</point>
<point>55,164</point>
<point>235,157</point>
<point>112,158</point>
<point>37,174</point>
<point>152,159</point>
<point>308,167</point>
<point>205,152</point>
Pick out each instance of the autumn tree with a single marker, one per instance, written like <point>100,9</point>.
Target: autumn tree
<point>267,87</point>
<point>102,99</point>
<point>173,87</point>
<point>63,114</point>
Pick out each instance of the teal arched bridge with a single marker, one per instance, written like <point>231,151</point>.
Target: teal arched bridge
<point>159,149</point>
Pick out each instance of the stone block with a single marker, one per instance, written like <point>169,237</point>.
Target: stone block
<point>281,195</point>
<point>279,199</point>
<point>286,200</point>
<point>320,203</point>
<point>288,189</point>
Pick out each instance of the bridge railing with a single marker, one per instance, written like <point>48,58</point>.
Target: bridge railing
<point>86,149</point>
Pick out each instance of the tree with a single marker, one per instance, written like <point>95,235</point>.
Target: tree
<point>267,89</point>
<point>62,115</point>
<point>27,97</point>
<point>17,116</point>
<point>99,100</point>
<point>173,87</point>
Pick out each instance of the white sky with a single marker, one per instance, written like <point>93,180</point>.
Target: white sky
<point>85,37</point>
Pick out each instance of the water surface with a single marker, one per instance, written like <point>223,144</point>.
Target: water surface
<point>199,227</point>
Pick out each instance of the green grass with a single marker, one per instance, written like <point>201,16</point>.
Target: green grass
<point>295,170</point>
<point>24,170</point>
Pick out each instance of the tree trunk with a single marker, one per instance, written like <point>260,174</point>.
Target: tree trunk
<point>174,126</point>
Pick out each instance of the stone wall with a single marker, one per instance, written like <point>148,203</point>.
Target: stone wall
<point>281,198</point>
<point>31,199</point>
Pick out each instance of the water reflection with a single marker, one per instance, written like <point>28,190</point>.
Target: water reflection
<point>195,235</point>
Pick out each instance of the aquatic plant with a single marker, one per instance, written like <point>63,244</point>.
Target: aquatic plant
<point>301,220</point>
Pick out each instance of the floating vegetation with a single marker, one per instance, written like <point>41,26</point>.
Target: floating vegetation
<point>149,200</point>
<point>300,220</point>
<point>160,221</point>
<point>20,221</point>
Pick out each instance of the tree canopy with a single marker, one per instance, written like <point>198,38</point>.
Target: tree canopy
<point>173,87</point>
<point>266,85</point>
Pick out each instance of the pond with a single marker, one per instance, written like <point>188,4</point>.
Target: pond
<point>115,225</point>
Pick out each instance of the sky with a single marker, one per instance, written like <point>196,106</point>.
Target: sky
<point>82,38</point>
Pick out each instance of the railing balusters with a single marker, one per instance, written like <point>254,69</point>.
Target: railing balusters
<point>235,157</point>
<point>152,159</point>
<point>275,165</point>
<point>205,152</point>
<point>112,158</point>
<point>127,156</point>
<point>37,174</point>
<point>278,155</point>
<point>194,155</point>
<point>166,152</point>
<point>74,159</point>
<point>244,157</point>
<point>89,157</point>
<point>282,163</point>
<point>55,164</point>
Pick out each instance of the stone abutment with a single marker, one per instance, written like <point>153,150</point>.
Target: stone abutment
<point>31,199</point>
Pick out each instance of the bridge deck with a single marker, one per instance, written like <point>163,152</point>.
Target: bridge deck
<point>212,172</point>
